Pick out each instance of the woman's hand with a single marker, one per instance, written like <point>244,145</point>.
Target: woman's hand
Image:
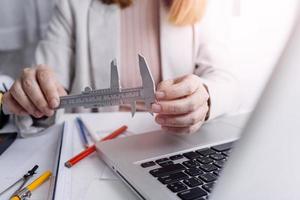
<point>182,104</point>
<point>35,93</point>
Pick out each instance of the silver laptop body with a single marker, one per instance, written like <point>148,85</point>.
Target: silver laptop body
<point>265,162</point>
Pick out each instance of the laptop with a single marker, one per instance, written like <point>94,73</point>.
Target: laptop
<point>263,163</point>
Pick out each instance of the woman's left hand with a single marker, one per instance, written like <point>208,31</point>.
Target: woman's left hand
<point>182,104</point>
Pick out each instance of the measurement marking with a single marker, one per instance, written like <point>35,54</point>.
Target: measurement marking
<point>115,95</point>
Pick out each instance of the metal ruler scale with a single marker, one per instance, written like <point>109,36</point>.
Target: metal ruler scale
<point>115,95</point>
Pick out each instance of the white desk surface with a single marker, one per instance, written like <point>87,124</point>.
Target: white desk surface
<point>111,188</point>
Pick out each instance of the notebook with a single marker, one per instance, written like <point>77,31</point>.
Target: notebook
<point>91,177</point>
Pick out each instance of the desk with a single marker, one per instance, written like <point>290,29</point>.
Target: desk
<point>110,188</point>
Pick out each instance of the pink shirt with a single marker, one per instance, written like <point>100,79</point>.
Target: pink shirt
<point>140,35</point>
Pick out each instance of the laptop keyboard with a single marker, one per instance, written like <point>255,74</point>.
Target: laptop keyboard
<point>190,175</point>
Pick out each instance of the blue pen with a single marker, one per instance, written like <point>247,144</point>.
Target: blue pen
<point>82,133</point>
<point>4,86</point>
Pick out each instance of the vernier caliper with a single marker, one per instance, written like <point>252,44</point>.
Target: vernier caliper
<point>115,95</point>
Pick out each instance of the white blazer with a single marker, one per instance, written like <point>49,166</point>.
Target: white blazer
<point>83,38</point>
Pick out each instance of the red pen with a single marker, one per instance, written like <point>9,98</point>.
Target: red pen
<point>92,149</point>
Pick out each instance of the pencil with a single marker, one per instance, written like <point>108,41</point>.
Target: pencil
<point>82,133</point>
<point>92,149</point>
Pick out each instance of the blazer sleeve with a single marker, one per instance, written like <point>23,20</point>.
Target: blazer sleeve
<point>214,63</point>
<point>57,49</point>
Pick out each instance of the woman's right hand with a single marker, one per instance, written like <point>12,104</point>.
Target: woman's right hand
<point>36,93</point>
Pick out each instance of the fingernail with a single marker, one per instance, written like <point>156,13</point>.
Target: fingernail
<point>156,108</point>
<point>54,103</point>
<point>48,112</point>
<point>160,120</point>
<point>38,114</point>
<point>160,95</point>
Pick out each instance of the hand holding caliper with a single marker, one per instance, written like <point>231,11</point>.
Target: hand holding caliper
<point>37,93</point>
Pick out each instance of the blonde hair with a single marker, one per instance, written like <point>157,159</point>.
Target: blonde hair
<point>186,12</point>
<point>181,12</point>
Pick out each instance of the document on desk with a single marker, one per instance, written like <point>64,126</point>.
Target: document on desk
<point>23,154</point>
<point>91,178</point>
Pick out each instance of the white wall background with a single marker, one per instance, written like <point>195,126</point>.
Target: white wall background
<point>259,30</point>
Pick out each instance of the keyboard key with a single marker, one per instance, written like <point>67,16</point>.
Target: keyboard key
<point>217,156</point>
<point>191,163</point>
<point>194,171</point>
<point>164,164</point>
<point>191,194</point>
<point>223,147</point>
<point>161,160</point>
<point>219,163</point>
<point>205,160</point>
<point>171,178</point>
<point>148,164</point>
<point>208,167</point>
<point>177,187</point>
<point>205,152</point>
<point>208,177</point>
<point>191,155</point>
<point>217,172</point>
<point>208,187</point>
<point>192,182</point>
<point>167,170</point>
<point>226,153</point>
<point>176,157</point>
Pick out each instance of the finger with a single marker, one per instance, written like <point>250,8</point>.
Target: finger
<point>11,106</point>
<point>181,87</point>
<point>61,90</point>
<point>180,106</point>
<point>33,91</point>
<point>160,94</point>
<point>48,84</point>
<point>186,120</point>
<point>19,96</point>
<point>165,84</point>
<point>183,131</point>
